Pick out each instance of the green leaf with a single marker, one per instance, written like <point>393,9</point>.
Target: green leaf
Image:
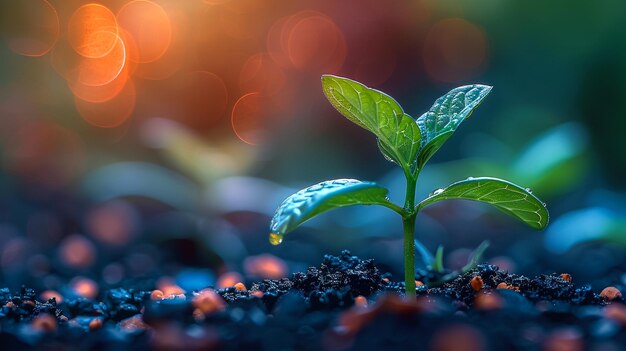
<point>322,197</point>
<point>398,134</point>
<point>475,257</point>
<point>440,122</point>
<point>506,196</point>
<point>438,261</point>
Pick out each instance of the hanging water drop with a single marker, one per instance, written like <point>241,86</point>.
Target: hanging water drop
<point>276,239</point>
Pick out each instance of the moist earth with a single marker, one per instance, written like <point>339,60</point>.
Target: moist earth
<point>345,303</point>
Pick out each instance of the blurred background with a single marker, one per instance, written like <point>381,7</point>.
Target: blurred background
<point>148,143</point>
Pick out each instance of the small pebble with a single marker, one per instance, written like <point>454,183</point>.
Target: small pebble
<point>95,324</point>
<point>477,283</point>
<point>45,323</point>
<point>360,301</point>
<point>611,293</point>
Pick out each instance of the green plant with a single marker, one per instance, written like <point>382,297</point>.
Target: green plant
<point>410,144</point>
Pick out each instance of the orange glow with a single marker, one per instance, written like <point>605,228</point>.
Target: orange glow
<point>84,287</point>
<point>92,31</point>
<point>251,118</point>
<point>265,266</point>
<point>236,22</point>
<point>103,70</point>
<point>260,73</point>
<point>454,50</point>
<point>111,113</point>
<point>32,27</point>
<point>77,252</point>
<point>48,294</point>
<point>275,44</point>
<point>177,54</point>
<point>150,27</point>
<point>208,301</point>
<point>100,93</point>
<point>169,288</point>
<point>198,99</point>
<point>317,45</point>
<point>229,279</point>
<point>112,223</point>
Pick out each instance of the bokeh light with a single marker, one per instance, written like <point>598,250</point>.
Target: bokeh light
<point>251,119</point>
<point>93,31</point>
<point>149,26</point>
<point>32,28</point>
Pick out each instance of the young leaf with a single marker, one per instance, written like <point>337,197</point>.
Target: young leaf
<point>398,134</point>
<point>475,257</point>
<point>506,196</point>
<point>438,261</point>
<point>322,197</point>
<point>440,122</point>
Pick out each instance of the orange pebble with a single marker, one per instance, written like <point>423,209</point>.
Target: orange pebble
<point>240,286</point>
<point>156,295</point>
<point>257,293</point>
<point>95,324</point>
<point>45,323</point>
<point>9,304</point>
<point>477,283</point>
<point>487,302</point>
<point>208,301</point>
<point>611,293</point>
<point>360,301</point>
<point>566,276</point>
<point>506,286</point>
<point>418,283</point>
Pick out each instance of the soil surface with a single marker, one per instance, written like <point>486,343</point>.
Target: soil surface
<point>343,304</point>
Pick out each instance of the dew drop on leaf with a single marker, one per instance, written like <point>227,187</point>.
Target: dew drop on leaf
<point>470,178</point>
<point>276,239</point>
<point>529,190</point>
<point>437,192</point>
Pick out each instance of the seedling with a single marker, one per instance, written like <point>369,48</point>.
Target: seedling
<point>409,143</point>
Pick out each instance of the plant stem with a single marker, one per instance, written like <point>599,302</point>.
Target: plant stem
<point>408,223</point>
<point>409,255</point>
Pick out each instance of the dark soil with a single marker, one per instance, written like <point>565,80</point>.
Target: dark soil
<point>316,310</point>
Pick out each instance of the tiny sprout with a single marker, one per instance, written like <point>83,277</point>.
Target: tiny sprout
<point>409,143</point>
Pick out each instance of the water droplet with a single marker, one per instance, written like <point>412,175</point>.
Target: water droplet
<point>470,178</point>
<point>529,190</point>
<point>276,239</point>
<point>437,192</point>
<point>544,204</point>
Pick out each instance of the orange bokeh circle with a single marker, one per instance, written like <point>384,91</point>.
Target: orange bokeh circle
<point>150,27</point>
<point>32,28</point>
<point>92,31</point>
<point>110,113</point>
<point>251,118</point>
